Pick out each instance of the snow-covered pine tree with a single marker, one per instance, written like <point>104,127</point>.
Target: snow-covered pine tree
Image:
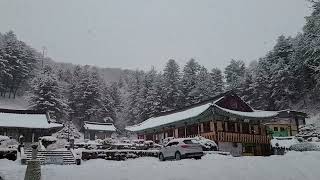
<point>108,107</point>
<point>45,95</point>
<point>115,94</point>
<point>261,85</point>
<point>246,89</point>
<point>133,97</point>
<point>20,62</point>
<point>153,97</point>
<point>234,73</point>
<point>188,82</point>
<point>75,94</point>
<point>91,98</point>
<point>217,81</point>
<point>281,79</point>
<point>204,86</point>
<point>172,86</point>
<point>4,69</point>
<point>311,48</point>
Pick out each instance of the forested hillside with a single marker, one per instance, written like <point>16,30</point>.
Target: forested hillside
<point>288,76</point>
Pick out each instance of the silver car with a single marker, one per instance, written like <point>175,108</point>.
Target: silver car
<point>181,148</point>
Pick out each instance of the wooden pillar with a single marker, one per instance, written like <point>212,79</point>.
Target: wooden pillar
<point>162,134</point>
<point>211,126</point>
<point>290,130</point>
<point>297,123</point>
<point>185,130</point>
<point>240,128</point>
<point>236,127</point>
<point>256,129</point>
<point>201,128</point>
<point>219,126</point>
<point>176,133</point>
<point>198,128</point>
<point>226,126</point>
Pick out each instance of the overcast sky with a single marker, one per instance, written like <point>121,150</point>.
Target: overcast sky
<point>143,33</point>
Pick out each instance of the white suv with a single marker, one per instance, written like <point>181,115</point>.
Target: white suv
<point>181,148</point>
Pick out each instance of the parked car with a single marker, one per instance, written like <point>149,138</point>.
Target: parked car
<point>181,148</point>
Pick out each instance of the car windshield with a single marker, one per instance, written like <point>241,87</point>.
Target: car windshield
<point>174,89</point>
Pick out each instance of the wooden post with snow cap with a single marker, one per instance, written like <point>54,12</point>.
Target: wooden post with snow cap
<point>33,171</point>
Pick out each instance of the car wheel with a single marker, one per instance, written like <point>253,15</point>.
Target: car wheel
<point>161,157</point>
<point>178,156</point>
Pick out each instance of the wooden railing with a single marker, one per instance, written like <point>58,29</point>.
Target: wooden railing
<point>210,135</point>
<point>192,136</point>
<point>236,137</point>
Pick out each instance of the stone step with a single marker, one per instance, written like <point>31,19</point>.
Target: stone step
<point>67,156</point>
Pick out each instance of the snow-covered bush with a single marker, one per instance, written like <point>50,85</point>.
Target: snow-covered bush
<point>305,146</point>
<point>284,142</point>
<point>47,140</point>
<point>59,144</point>
<point>3,138</point>
<point>309,131</point>
<point>8,143</point>
<point>100,141</point>
<point>109,141</point>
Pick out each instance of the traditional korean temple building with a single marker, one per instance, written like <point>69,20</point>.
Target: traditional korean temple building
<point>227,119</point>
<point>30,124</point>
<point>97,130</point>
<point>286,123</point>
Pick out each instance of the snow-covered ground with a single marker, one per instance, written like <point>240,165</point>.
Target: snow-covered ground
<point>294,165</point>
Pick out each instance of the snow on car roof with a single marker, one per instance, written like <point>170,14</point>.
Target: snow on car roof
<point>99,126</point>
<point>170,118</point>
<point>34,121</point>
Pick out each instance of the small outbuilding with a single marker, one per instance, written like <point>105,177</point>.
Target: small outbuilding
<point>29,124</point>
<point>97,130</point>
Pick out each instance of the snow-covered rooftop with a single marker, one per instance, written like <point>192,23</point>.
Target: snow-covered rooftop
<point>254,114</point>
<point>170,118</point>
<point>99,126</point>
<point>34,121</point>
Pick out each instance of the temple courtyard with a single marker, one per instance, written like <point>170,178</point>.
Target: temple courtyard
<point>292,166</point>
